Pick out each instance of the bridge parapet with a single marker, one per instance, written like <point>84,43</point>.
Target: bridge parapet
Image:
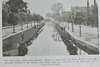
<point>81,44</point>
<point>13,41</point>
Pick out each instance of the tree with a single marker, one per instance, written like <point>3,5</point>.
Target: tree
<point>95,13</point>
<point>72,18</point>
<point>15,6</point>
<point>37,18</point>
<point>79,18</point>
<point>69,20</point>
<point>5,14</point>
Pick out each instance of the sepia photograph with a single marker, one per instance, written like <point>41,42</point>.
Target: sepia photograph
<point>50,27</point>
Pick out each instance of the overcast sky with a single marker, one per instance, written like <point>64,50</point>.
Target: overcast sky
<point>44,6</point>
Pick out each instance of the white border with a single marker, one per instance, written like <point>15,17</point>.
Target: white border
<point>94,64</point>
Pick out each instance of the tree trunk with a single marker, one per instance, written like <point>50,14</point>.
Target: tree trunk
<point>27,25</point>
<point>72,27</point>
<point>80,30</point>
<point>13,28</point>
<point>31,24</point>
<point>68,26</point>
<point>22,27</point>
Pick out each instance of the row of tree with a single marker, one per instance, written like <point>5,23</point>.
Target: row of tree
<point>76,17</point>
<point>16,12</point>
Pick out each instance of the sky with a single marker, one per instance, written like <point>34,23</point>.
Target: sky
<point>44,6</point>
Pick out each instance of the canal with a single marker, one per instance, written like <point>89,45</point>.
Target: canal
<point>46,45</point>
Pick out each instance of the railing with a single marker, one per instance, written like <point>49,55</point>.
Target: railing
<point>9,29</point>
<point>12,42</point>
<point>83,45</point>
<point>6,27</point>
